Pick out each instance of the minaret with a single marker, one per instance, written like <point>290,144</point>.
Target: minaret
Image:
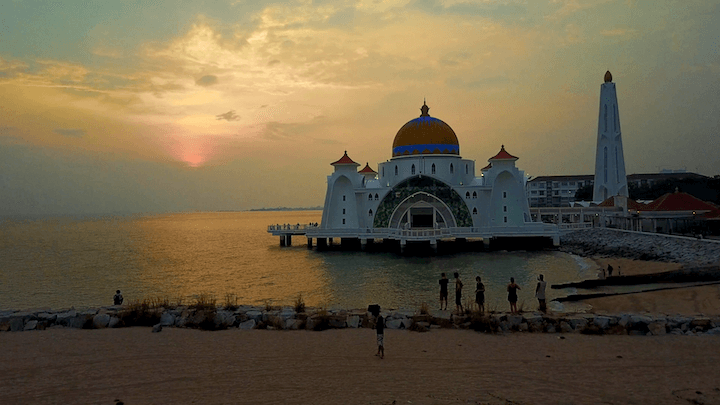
<point>610,179</point>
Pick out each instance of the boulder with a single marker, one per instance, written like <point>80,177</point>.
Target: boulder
<point>16,324</point>
<point>157,328</point>
<point>181,321</point>
<point>353,321</point>
<point>624,321</point>
<point>713,331</point>
<point>577,323</point>
<point>703,322</point>
<point>565,327</point>
<point>101,321</point>
<point>602,322</point>
<point>255,315</point>
<point>394,324</point>
<point>224,319</point>
<point>63,318</point>
<point>338,321</point>
<point>287,313</point>
<point>47,317</point>
<point>30,325</point>
<point>550,328</point>
<point>523,327</point>
<point>514,321</point>
<point>657,328</point>
<point>292,324</point>
<point>407,323</point>
<point>676,332</point>
<point>114,321</point>
<point>167,319</point>
<point>247,325</point>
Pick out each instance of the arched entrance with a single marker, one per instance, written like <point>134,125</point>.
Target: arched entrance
<point>422,211</point>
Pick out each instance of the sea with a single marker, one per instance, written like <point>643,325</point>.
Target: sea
<point>64,262</point>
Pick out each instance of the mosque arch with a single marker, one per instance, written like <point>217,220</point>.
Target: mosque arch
<point>452,168</point>
<point>430,205</point>
<point>432,168</point>
<point>376,196</point>
<point>412,169</point>
<point>467,195</point>
<point>474,194</point>
<point>370,197</point>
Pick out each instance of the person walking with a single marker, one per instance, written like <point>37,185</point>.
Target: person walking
<point>380,328</point>
<point>480,294</point>
<point>443,290</point>
<point>512,295</point>
<point>458,293</point>
<point>540,293</point>
<point>118,298</point>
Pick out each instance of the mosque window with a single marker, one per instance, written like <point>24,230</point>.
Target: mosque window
<point>433,168</point>
<point>370,197</point>
<point>617,170</point>
<point>467,170</point>
<point>615,119</point>
<point>467,195</point>
<point>370,213</point>
<point>343,197</point>
<point>343,221</point>
<point>376,196</point>
<point>605,162</point>
<point>396,171</point>
<point>504,194</point>
<point>605,117</point>
<point>412,169</point>
<point>504,208</point>
<point>474,211</point>
<point>343,211</point>
<point>474,194</point>
<point>452,169</point>
<point>504,219</point>
<point>383,171</point>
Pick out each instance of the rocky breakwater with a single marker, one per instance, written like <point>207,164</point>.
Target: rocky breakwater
<point>252,317</point>
<point>640,246</point>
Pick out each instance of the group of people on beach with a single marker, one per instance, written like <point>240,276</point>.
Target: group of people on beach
<point>512,290</point>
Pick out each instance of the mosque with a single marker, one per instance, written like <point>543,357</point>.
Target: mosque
<point>426,193</point>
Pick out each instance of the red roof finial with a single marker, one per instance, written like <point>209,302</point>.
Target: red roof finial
<point>503,155</point>
<point>345,160</point>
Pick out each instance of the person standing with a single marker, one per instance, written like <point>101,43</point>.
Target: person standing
<point>540,293</point>
<point>380,328</point>
<point>443,290</point>
<point>512,295</point>
<point>609,270</point>
<point>480,294</point>
<point>458,293</point>
<point>117,298</point>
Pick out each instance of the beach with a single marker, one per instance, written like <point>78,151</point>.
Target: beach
<point>338,366</point>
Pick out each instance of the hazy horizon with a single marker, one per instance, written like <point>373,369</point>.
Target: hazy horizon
<point>131,107</point>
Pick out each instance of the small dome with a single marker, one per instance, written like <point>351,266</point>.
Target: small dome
<point>425,135</point>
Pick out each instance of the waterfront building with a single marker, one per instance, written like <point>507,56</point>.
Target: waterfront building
<point>610,179</point>
<point>426,193</point>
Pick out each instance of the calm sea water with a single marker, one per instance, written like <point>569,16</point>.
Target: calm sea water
<point>63,262</point>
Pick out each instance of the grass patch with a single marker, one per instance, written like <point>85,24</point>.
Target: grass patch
<point>139,313</point>
<point>483,323</point>
<point>424,309</point>
<point>204,302</point>
<point>299,304</point>
<point>231,302</point>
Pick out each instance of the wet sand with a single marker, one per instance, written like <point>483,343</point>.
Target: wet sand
<point>337,366</point>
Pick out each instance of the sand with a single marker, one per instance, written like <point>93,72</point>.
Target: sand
<point>186,366</point>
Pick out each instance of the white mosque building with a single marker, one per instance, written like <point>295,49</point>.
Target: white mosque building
<point>425,193</point>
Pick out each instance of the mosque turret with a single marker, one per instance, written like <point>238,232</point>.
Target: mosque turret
<point>610,178</point>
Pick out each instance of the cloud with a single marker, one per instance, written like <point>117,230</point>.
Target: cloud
<point>207,80</point>
<point>70,132</point>
<point>228,116</point>
<point>618,32</point>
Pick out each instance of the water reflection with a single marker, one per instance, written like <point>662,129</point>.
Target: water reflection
<point>59,263</point>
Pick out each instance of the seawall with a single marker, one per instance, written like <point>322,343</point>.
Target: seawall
<point>640,246</point>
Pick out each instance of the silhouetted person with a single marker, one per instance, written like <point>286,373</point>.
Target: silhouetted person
<point>610,270</point>
<point>540,293</point>
<point>443,290</point>
<point>380,328</point>
<point>458,293</point>
<point>512,295</point>
<point>480,294</point>
<point>118,298</point>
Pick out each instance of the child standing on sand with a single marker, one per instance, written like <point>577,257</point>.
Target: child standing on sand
<point>380,328</point>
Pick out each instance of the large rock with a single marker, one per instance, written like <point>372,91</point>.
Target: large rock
<point>157,328</point>
<point>714,331</point>
<point>640,322</point>
<point>602,322</point>
<point>287,313</point>
<point>64,318</point>
<point>17,324</point>
<point>256,315</point>
<point>114,321</point>
<point>406,323</point>
<point>292,324</point>
<point>657,328</point>
<point>224,319</point>
<point>514,321</point>
<point>703,322</point>
<point>394,324</point>
<point>353,321</point>
<point>167,319</point>
<point>30,325</point>
<point>47,317</point>
<point>565,327</point>
<point>577,323</point>
<point>247,325</point>
<point>338,321</point>
<point>101,321</point>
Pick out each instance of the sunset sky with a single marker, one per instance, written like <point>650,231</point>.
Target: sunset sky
<point>154,106</point>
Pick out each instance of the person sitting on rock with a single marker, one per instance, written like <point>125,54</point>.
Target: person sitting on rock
<point>117,298</point>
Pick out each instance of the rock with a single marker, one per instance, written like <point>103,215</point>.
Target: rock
<point>292,324</point>
<point>157,328</point>
<point>101,321</point>
<point>394,324</point>
<point>524,327</point>
<point>254,314</point>
<point>640,321</point>
<point>424,325</point>
<point>16,324</point>
<point>247,325</point>
<point>338,322</point>
<point>63,318</point>
<point>514,321</point>
<point>624,321</point>
<point>181,321</point>
<point>714,331</point>
<point>287,313</point>
<point>30,325</point>
<point>657,328</point>
<point>637,333</point>
<point>46,317</point>
<point>167,319</point>
<point>114,320</point>
<point>602,322</point>
<point>550,328</point>
<point>407,323</point>
<point>703,322</point>
<point>577,324</point>
<point>224,319</point>
<point>676,332</point>
<point>565,327</point>
<point>310,323</point>
<point>353,321</point>
<point>534,322</point>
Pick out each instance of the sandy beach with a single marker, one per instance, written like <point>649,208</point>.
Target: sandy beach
<point>337,366</point>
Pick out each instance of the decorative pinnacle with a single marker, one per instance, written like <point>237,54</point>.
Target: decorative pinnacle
<point>608,77</point>
<point>424,109</point>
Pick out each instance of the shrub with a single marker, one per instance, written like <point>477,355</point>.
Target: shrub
<point>424,309</point>
<point>204,302</point>
<point>139,313</point>
<point>299,304</point>
<point>483,323</point>
<point>231,301</point>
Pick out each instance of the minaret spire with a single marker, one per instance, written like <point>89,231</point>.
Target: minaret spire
<point>610,178</point>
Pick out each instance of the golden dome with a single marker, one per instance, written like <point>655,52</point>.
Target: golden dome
<point>425,135</point>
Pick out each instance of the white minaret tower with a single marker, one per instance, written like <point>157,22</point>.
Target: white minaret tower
<point>610,179</point>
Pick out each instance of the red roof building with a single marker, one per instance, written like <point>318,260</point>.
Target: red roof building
<point>631,204</point>
<point>678,201</point>
<point>367,169</point>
